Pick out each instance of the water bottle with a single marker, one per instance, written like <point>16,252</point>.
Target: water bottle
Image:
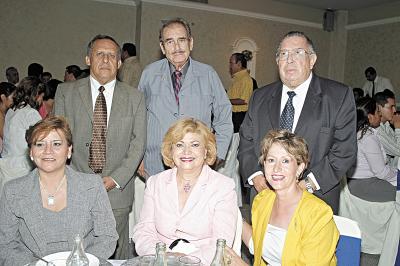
<point>77,256</point>
<point>161,259</point>
<point>218,259</point>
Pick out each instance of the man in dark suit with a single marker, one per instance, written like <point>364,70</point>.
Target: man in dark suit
<point>322,112</point>
<point>125,129</point>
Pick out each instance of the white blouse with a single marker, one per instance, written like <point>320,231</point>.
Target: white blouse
<point>273,243</point>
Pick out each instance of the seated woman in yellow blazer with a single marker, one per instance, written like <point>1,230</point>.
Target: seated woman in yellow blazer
<point>290,225</point>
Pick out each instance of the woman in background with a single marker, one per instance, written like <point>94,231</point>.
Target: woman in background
<point>48,97</point>
<point>21,115</point>
<point>6,100</point>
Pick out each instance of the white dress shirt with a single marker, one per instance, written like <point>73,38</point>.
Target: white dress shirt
<point>108,93</point>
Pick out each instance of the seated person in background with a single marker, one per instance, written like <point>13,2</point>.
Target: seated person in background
<point>358,93</point>
<point>290,225</point>
<point>371,179</point>
<point>45,77</point>
<point>50,89</point>
<point>72,73</point>
<point>40,213</point>
<point>190,201</point>
<point>389,137</point>
<point>21,115</point>
<point>6,100</point>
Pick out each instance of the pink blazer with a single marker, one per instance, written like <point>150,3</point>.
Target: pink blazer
<point>210,213</point>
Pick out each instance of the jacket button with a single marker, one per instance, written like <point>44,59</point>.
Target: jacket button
<point>87,144</point>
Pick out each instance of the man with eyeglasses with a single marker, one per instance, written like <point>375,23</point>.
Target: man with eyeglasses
<point>177,87</point>
<point>320,110</point>
<point>389,137</point>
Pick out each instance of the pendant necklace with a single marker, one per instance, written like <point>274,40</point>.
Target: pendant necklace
<point>51,197</point>
<point>187,186</point>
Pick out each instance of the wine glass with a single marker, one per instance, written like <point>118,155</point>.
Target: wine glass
<point>189,261</point>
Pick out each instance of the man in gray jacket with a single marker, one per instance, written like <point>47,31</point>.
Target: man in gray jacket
<point>178,86</point>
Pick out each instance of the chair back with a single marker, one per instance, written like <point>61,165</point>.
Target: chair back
<point>348,250</point>
<point>237,241</point>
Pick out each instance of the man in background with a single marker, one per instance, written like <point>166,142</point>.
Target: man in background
<point>375,83</point>
<point>72,73</point>
<point>131,69</point>
<point>12,75</point>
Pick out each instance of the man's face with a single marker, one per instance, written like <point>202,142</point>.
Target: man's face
<point>104,61</point>
<point>234,66</point>
<point>124,55</point>
<point>388,110</point>
<point>12,76</point>
<point>176,45</point>
<point>370,76</point>
<point>294,70</point>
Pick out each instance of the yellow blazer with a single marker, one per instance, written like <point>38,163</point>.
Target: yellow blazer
<point>311,236</point>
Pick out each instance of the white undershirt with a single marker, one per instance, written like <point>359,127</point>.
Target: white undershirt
<point>273,243</point>
<point>108,93</point>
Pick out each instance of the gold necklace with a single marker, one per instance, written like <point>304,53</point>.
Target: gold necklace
<point>51,197</point>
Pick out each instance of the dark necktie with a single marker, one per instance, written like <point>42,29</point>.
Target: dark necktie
<point>287,116</point>
<point>373,88</point>
<point>97,150</point>
<point>177,84</point>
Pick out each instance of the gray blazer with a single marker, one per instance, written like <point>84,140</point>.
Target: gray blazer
<point>327,122</point>
<point>201,96</point>
<point>126,133</point>
<point>26,227</point>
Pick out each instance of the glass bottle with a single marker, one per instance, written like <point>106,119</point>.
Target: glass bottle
<point>77,256</point>
<point>161,259</point>
<point>218,259</point>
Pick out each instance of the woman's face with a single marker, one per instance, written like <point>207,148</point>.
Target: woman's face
<point>189,153</point>
<point>281,169</point>
<point>375,119</point>
<point>7,100</point>
<point>51,153</point>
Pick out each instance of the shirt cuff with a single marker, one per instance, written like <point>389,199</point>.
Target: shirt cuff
<point>250,179</point>
<point>312,178</point>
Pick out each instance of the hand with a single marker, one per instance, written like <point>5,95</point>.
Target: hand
<point>109,183</point>
<point>231,258</point>
<point>302,184</point>
<point>396,121</point>
<point>141,170</point>
<point>260,183</point>
<point>218,163</point>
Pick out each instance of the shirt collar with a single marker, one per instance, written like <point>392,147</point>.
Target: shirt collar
<point>184,68</point>
<point>240,73</point>
<point>95,85</point>
<point>302,89</point>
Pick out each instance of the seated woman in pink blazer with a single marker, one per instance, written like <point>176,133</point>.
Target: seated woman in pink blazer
<point>189,201</point>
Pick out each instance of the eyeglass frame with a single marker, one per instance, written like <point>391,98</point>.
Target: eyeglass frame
<point>179,41</point>
<point>297,53</point>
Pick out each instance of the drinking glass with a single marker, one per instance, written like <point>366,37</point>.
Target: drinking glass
<point>189,261</point>
<point>147,260</point>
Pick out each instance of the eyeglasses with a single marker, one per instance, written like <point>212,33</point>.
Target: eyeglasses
<point>297,54</point>
<point>171,42</point>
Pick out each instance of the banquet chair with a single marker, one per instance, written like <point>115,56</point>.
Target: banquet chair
<point>237,241</point>
<point>348,249</point>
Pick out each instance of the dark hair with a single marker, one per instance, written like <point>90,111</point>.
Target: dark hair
<point>103,37</point>
<point>27,91</point>
<point>74,70</point>
<point>130,48</point>
<point>297,34</point>
<point>50,89</point>
<point>170,22</point>
<point>382,97</point>
<point>6,89</point>
<point>370,70</point>
<point>44,74</point>
<point>35,69</point>
<point>364,106</point>
<point>42,129</point>
<point>12,75</point>
<point>358,93</point>
<point>239,57</point>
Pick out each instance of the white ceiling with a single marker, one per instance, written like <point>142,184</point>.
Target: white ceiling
<point>338,4</point>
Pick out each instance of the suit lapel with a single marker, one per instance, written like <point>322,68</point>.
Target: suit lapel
<point>275,106</point>
<point>86,96</point>
<point>312,100</point>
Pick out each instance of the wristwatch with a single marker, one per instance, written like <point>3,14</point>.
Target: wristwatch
<point>308,185</point>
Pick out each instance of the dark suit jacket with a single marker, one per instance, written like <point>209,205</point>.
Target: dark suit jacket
<point>327,122</point>
<point>126,133</point>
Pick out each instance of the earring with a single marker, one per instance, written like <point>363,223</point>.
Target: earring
<point>69,156</point>
<point>31,158</point>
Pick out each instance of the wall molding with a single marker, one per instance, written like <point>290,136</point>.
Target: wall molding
<point>372,23</point>
<point>118,2</point>
<point>206,7</point>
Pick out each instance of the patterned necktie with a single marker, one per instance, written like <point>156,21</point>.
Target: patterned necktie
<point>177,84</point>
<point>287,116</point>
<point>97,150</point>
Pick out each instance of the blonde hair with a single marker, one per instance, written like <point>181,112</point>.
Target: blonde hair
<point>177,132</point>
<point>294,145</point>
